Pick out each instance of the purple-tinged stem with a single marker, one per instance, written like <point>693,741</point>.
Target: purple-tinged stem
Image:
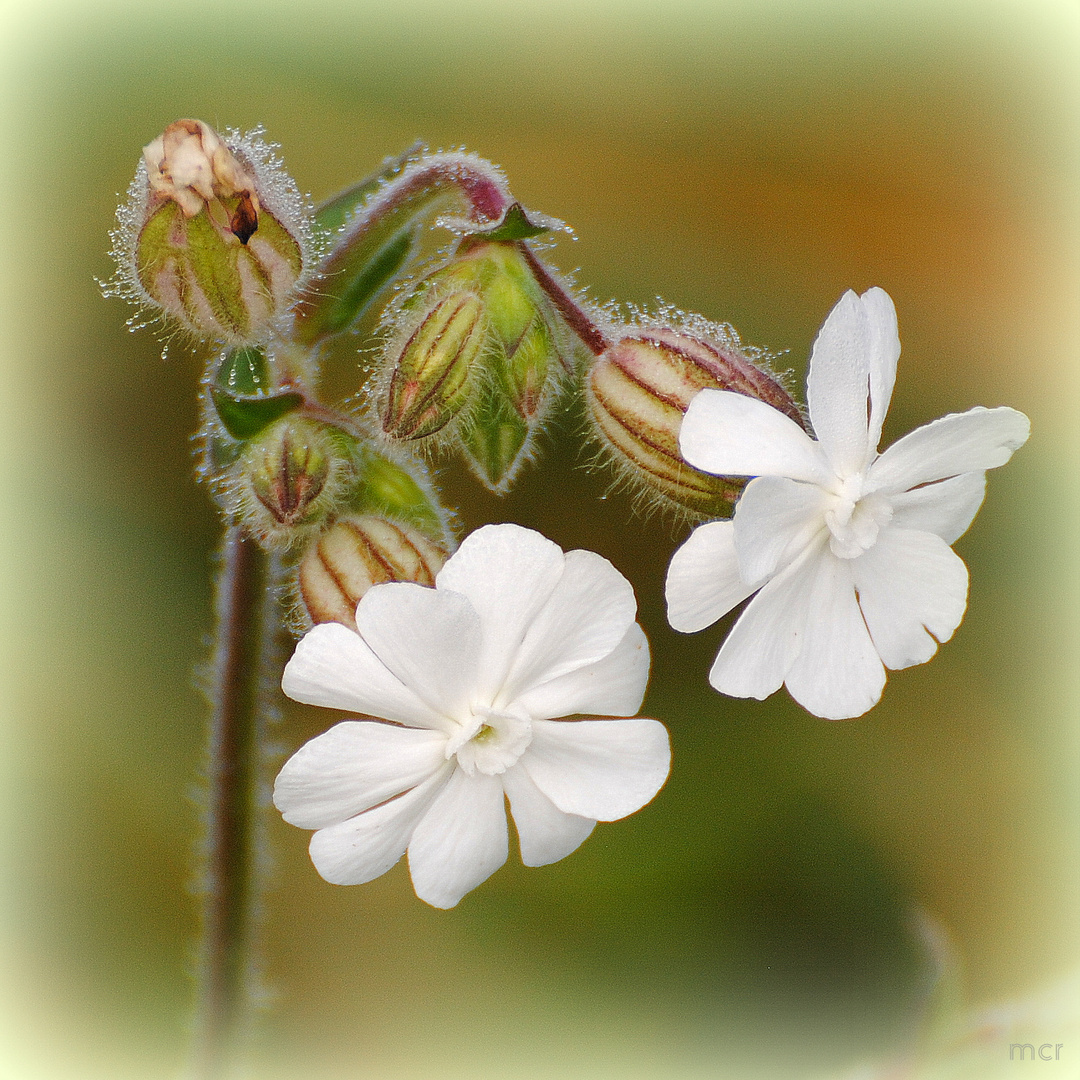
<point>241,703</point>
<point>379,239</point>
<point>576,317</point>
<point>478,182</point>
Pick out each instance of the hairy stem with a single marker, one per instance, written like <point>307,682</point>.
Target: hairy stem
<point>379,238</point>
<point>577,318</point>
<point>241,703</point>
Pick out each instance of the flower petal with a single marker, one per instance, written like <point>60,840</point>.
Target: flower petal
<point>775,519</point>
<point>584,619</point>
<point>961,442</point>
<point>507,573</point>
<point>613,686</point>
<point>838,385</point>
<point>763,644</point>
<point>545,833</point>
<point>884,353</point>
<point>910,582</point>
<point>703,580</point>
<point>837,674</point>
<point>727,434</point>
<point>429,638</point>
<point>334,667</point>
<point>461,841</point>
<point>366,846</point>
<point>351,767</point>
<point>600,769</point>
<point>945,508</point>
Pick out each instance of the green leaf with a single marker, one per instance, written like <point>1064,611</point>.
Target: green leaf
<point>244,417</point>
<point>364,260</point>
<point>359,290</point>
<point>332,214</point>
<point>515,225</point>
<point>243,371</point>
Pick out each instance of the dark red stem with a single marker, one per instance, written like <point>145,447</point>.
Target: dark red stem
<point>576,317</point>
<point>241,701</point>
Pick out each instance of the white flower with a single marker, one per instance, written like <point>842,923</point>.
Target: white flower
<point>468,678</point>
<point>849,548</point>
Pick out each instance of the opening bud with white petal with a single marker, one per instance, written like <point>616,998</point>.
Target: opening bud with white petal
<point>215,234</point>
<point>356,552</point>
<point>638,391</point>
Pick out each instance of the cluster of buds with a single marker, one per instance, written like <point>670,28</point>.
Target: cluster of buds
<point>284,465</point>
<point>343,515</point>
<point>477,354</point>
<point>214,234</point>
<point>638,391</point>
<point>388,527</point>
<point>391,527</point>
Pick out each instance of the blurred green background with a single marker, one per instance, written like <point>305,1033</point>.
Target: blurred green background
<point>748,160</point>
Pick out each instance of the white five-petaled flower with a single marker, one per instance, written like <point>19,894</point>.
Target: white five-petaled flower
<point>468,678</point>
<point>850,549</point>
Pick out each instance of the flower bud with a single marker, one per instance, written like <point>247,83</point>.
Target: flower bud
<point>430,381</point>
<point>638,391</point>
<point>290,478</point>
<point>522,325</point>
<point>353,554</point>
<point>478,356</point>
<point>400,490</point>
<point>215,234</point>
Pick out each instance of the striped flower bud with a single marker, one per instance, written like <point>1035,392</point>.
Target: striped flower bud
<point>430,381</point>
<point>215,234</point>
<point>638,391</point>
<point>353,554</point>
<point>288,479</point>
<point>476,358</point>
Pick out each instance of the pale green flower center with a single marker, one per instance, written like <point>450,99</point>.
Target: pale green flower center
<point>491,740</point>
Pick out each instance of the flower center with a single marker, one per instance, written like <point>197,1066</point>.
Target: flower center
<point>491,741</point>
<point>855,520</point>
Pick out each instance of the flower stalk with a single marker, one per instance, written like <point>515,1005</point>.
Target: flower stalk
<point>246,632</point>
<point>380,234</point>
<point>577,318</point>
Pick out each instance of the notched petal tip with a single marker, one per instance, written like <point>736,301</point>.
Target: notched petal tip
<point>972,441</point>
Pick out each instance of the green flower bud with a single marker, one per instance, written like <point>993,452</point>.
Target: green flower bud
<point>638,391</point>
<point>495,442</point>
<point>215,235</point>
<point>477,359</point>
<point>288,479</point>
<point>397,489</point>
<point>430,381</point>
<point>523,326</point>
<point>356,552</point>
